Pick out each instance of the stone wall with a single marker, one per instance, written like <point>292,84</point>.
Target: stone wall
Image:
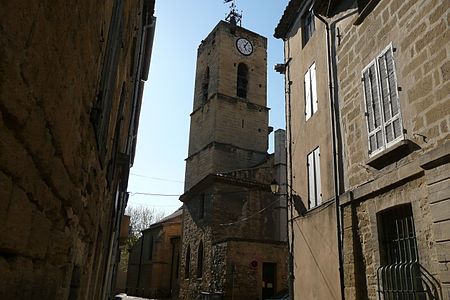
<point>418,173</point>
<point>57,214</point>
<point>418,30</point>
<point>235,208</point>
<point>244,270</point>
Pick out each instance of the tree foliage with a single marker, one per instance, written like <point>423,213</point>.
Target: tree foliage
<point>141,217</point>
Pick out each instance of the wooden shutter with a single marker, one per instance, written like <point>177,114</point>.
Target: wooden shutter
<point>317,176</point>
<point>389,96</point>
<point>308,108</point>
<point>313,89</point>
<point>373,110</point>
<point>311,183</point>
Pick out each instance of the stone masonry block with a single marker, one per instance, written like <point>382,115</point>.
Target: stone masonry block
<point>443,251</point>
<point>420,89</point>
<point>445,70</point>
<point>60,249</point>
<point>442,231</point>
<point>431,35</point>
<point>438,112</point>
<point>5,195</point>
<point>39,237</point>
<point>15,234</point>
<point>440,211</point>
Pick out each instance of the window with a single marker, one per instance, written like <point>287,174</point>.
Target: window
<point>314,183</point>
<point>205,85</point>
<point>187,264</point>
<point>399,274</point>
<point>309,25</point>
<point>200,260</point>
<point>382,108</point>
<point>310,92</point>
<point>242,80</point>
<point>201,206</point>
<point>150,248</point>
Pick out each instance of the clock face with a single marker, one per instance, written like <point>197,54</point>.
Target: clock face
<point>244,46</point>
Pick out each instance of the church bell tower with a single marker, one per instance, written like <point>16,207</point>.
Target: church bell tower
<point>229,121</point>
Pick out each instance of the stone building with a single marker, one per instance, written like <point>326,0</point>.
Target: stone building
<point>71,83</point>
<point>381,77</point>
<point>154,261</point>
<point>233,242</point>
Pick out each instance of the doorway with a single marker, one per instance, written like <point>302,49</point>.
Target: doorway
<point>269,271</point>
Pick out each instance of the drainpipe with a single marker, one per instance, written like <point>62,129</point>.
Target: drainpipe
<point>331,84</point>
<point>290,217</point>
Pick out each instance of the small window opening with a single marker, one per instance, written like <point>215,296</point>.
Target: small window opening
<point>242,80</point>
<point>200,260</point>
<point>309,25</point>
<point>205,85</point>
<point>201,208</point>
<point>400,275</point>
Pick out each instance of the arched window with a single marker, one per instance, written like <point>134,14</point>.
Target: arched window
<point>242,80</point>
<point>200,260</point>
<point>187,264</point>
<point>205,85</point>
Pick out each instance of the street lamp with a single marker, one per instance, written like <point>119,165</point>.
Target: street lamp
<point>274,187</point>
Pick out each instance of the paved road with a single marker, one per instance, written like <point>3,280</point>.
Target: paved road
<point>125,297</point>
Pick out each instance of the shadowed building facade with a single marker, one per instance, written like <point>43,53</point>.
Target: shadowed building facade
<point>71,81</point>
<point>154,261</point>
<point>233,242</point>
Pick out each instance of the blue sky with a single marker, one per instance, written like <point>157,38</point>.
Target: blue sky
<point>164,123</point>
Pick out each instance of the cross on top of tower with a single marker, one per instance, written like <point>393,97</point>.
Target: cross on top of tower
<point>233,16</point>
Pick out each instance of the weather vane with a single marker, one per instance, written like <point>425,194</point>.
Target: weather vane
<point>233,16</point>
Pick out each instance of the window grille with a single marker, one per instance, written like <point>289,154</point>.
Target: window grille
<point>400,275</point>
<point>382,108</point>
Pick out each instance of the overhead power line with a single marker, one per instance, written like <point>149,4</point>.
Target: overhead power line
<point>157,178</point>
<point>153,194</point>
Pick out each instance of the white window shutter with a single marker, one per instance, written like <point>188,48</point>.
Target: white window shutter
<point>373,110</point>
<point>311,183</point>
<point>308,95</point>
<point>390,104</point>
<point>318,179</point>
<point>313,89</point>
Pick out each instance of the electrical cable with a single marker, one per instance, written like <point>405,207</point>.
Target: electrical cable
<point>156,178</point>
<point>153,194</point>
